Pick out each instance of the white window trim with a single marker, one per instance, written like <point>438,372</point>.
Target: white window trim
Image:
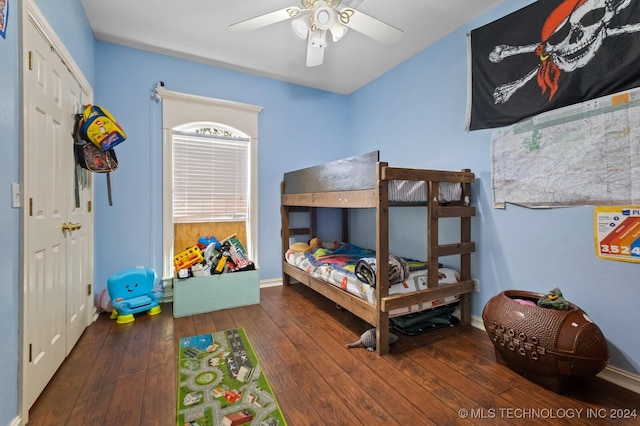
<point>180,108</point>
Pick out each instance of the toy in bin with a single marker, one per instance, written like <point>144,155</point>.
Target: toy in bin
<point>238,253</point>
<point>133,291</point>
<point>187,258</point>
<point>207,240</point>
<point>222,258</point>
<point>231,257</point>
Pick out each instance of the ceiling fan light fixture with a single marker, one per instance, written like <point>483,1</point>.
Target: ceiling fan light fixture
<point>338,31</point>
<point>323,15</point>
<point>301,27</point>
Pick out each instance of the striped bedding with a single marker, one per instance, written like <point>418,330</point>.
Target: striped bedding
<point>407,191</point>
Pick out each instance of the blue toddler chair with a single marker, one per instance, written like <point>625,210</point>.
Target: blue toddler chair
<point>132,291</point>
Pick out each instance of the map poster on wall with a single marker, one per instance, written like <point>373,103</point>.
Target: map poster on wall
<point>617,233</point>
<point>584,154</point>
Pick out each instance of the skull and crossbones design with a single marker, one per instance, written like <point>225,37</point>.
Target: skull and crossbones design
<point>570,38</point>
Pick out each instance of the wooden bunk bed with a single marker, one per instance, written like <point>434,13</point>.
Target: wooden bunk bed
<point>363,182</point>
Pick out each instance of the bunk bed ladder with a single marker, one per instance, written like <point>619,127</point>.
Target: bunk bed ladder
<point>465,257</point>
<point>436,211</point>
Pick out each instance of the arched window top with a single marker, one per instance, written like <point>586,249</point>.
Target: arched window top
<point>210,128</point>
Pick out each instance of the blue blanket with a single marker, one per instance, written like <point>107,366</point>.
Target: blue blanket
<point>345,257</point>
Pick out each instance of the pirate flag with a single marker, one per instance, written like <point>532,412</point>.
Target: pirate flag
<point>551,54</point>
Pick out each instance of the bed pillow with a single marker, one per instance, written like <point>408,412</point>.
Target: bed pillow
<point>299,247</point>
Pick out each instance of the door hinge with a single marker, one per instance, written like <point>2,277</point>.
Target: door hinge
<point>89,206</point>
<point>30,206</point>
<point>30,60</point>
<point>89,289</point>
<point>30,348</point>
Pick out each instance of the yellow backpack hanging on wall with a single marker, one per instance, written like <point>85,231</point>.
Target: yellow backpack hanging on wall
<point>101,128</point>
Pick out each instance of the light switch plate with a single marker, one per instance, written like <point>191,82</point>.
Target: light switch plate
<point>15,195</point>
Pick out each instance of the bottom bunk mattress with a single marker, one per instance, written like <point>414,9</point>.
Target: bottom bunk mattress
<point>337,267</point>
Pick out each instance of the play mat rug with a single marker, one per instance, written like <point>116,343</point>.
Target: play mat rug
<point>220,382</point>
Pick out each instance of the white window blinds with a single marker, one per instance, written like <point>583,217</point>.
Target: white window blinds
<point>210,177</point>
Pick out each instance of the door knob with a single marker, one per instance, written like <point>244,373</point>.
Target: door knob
<point>71,226</point>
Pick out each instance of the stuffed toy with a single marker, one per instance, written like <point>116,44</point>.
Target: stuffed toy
<point>554,300</point>
<point>317,242</point>
<point>368,340</point>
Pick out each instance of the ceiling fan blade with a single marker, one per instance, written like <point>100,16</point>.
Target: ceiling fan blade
<point>369,26</point>
<point>315,48</point>
<point>266,19</point>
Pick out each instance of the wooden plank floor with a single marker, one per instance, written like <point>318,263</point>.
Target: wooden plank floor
<point>126,374</point>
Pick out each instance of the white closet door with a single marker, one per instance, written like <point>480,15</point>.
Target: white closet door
<point>57,257</point>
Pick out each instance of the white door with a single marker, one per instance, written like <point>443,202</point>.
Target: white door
<point>57,242</point>
<point>79,302</point>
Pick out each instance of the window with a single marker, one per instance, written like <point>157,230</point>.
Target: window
<point>231,130</point>
<point>210,174</point>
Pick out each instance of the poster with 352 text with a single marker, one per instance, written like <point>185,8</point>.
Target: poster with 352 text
<point>617,233</point>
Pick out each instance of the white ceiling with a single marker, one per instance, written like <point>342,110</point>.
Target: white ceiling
<point>198,30</point>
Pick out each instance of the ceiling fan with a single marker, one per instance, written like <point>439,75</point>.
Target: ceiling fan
<point>316,17</point>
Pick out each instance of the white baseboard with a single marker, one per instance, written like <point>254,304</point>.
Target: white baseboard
<point>622,378</point>
<point>167,294</point>
<point>611,374</point>
<point>274,282</point>
<point>477,322</point>
<point>16,422</point>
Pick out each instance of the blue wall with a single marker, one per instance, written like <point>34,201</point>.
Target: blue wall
<point>414,115</point>
<point>9,218</point>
